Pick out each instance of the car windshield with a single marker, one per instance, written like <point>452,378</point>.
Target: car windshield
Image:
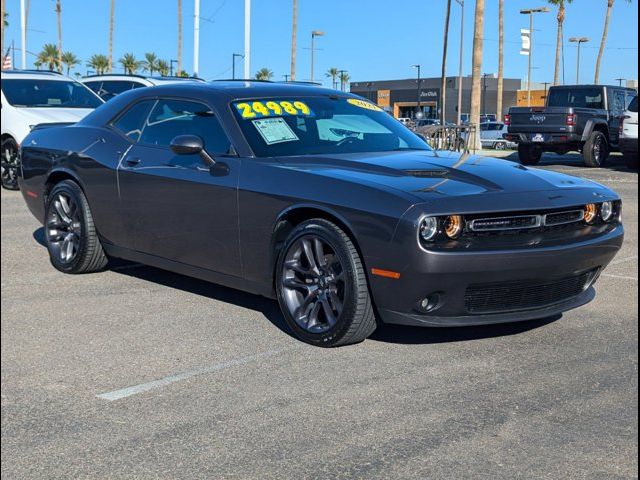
<point>48,93</point>
<point>581,97</point>
<point>633,107</point>
<point>321,126</point>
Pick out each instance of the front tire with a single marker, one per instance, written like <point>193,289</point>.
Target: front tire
<point>529,154</point>
<point>70,234</point>
<point>322,286</point>
<point>596,150</point>
<point>10,164</point>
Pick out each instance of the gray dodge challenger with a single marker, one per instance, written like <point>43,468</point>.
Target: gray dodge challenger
<point>320,199</point>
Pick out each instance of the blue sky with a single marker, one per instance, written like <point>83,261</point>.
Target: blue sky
<point>372,39</point>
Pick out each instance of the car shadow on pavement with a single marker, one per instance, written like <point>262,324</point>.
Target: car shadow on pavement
<point>615,163</point>
<point>430,335</point>
<point>271,311</point>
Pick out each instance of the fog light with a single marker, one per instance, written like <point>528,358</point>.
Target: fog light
<point>607,211</point>
<point>453,226</point>
<point>590,212</point>
<point>428,228</point>
<point>431,303</point>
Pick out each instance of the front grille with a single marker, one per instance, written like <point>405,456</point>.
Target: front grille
<point>563,218</point>
<point>516,296</point>
<point>505,223</point>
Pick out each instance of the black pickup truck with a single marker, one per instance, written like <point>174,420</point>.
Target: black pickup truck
<point>584,118</point>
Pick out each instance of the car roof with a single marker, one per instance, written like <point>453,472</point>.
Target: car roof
<point>157,79</point>
<point>34,75</point>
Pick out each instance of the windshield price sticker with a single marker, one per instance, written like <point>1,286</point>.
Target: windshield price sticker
<point>364,104</point>
<point>275,130</point>
<point>273,108</point>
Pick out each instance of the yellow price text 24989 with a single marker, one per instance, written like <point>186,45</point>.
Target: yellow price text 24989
<point>272,108</point>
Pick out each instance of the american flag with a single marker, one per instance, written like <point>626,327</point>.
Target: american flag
<point>6,62</point>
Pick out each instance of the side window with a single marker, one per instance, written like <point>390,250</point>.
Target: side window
<point>95,86</point>
<point>131,121</point>
<point>114,87</point>
<point>171,118</point>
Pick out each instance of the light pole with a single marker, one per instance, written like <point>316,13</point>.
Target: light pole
<point>286,77</point>
<point>620,80</point>
<point>247,38</point>
<point>196,37</point>
<point>314,34</point>
<point>531,12</point>
<point>461,66</point>
<point>419,108</point>
<point>484,93</point>
<point>233,64</point>
<point>579,41</point>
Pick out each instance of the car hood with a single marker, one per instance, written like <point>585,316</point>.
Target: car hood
<point>35,116</point>
<point>434,176</point>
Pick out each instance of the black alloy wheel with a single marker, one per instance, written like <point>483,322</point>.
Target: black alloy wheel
<point>313,284</point>
<point>70,234</point>
<point>596,150</point>
<point>322,287</point>
<point>10,163</point>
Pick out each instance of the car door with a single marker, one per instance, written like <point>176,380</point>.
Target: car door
<point>617,108</point>
<point>180,208</point>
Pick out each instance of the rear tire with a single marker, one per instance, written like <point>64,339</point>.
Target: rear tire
<point>10,164</point>
<point>322,286</point>
<point>529,154</point>
<point>596,150</point>
<point>70,234</point>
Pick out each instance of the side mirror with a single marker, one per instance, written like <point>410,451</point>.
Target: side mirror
<point>186,145</point>
<point>191,145</point>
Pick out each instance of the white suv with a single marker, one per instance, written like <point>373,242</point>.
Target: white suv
<point>30,98</point>
<point>629,134</point>
<point>110,85</point>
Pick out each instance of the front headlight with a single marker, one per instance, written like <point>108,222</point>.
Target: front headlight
<point>607,211</point>
<point>428,228</point>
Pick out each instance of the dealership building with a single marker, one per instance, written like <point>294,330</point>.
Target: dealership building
<point>400,97</point>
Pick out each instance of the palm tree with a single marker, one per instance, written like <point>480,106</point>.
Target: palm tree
<point>264,74</point>
<point>333,73</point>
<point>3,15</point>
<point>163,68</point>
<point>603,42</point>
<point>150,63</point>
<point>561,4</point>
<point>38,64</point>
<point>99,62</point>
<point>49,56</point>
<point>129,63</point>
<point>500,91</point>
<point>294,40</point>
<point>112,15</point>
<point>476,75</point>
<point>179,35</point>
<point>443,80</point>
<point>70,60</point>
<point>59,17</point>
<point>344,80</point>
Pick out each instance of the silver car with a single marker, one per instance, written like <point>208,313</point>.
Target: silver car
<point>491,136</point>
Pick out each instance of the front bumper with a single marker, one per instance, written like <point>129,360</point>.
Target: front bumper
<point>448,276</point>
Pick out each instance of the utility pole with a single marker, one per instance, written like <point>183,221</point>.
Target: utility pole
<point>531,12</point>
<point>579,41</point>
<point>620,80</point>
<point>314,34</point>
<point>419,108</point>
<point>233,64</point>
<point>23,36</point>
<point>461,66</point>
<point>247,38</point>
<point>196,38</point>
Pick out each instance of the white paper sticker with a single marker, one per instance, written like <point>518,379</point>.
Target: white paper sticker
<point>275,130</point>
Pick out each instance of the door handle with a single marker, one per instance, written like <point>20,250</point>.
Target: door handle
<point>132,162</point>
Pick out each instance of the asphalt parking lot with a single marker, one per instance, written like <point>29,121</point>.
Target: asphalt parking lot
<point>136,372</point>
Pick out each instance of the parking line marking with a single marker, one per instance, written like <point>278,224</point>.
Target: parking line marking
<point>623,277</point>
<point>145,387</point>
